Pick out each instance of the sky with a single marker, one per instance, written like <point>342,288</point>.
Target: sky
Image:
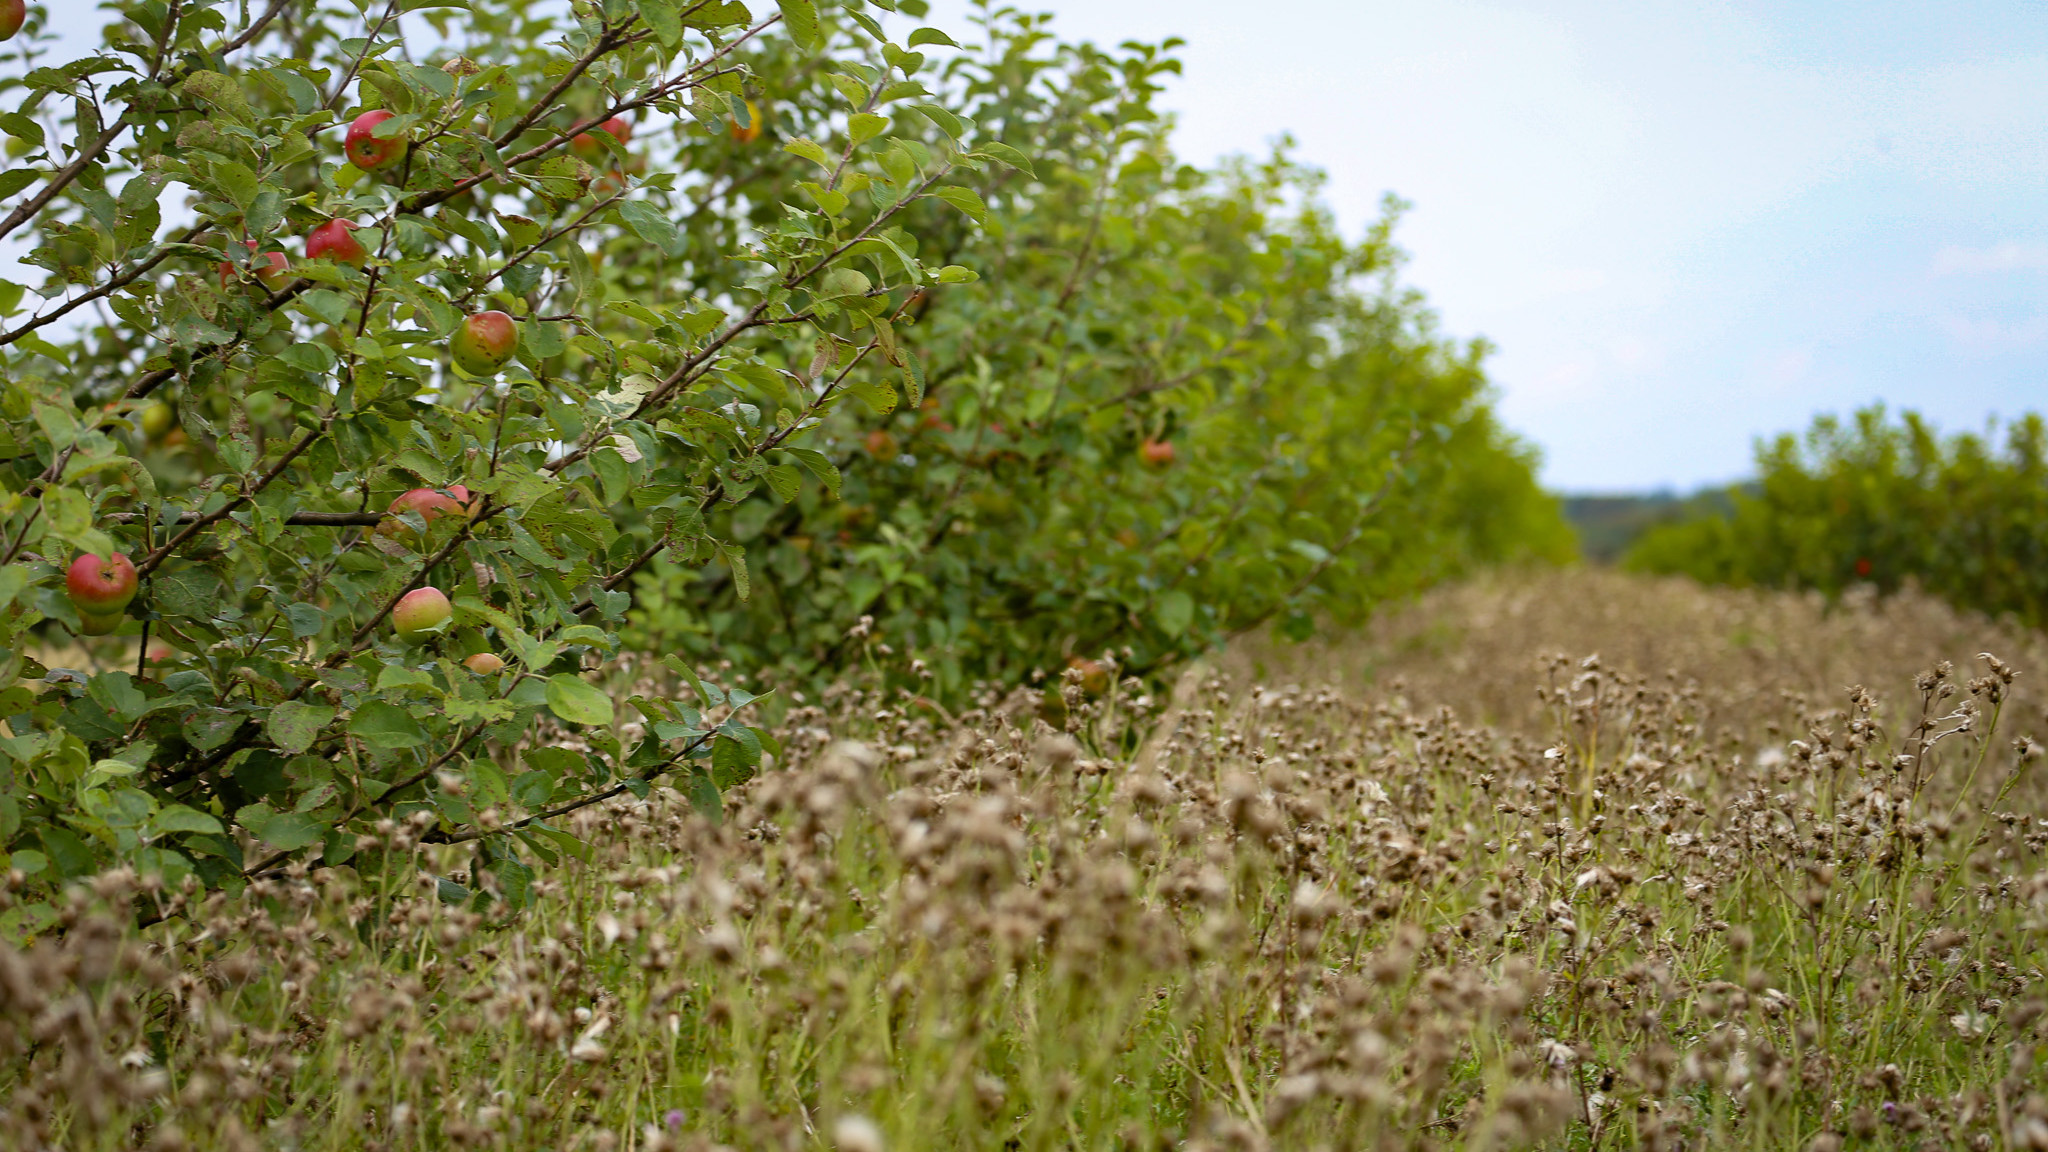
<point>1683,225</point>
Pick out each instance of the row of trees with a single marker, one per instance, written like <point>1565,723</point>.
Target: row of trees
<point>422,360</point>
<point>1880,500</point>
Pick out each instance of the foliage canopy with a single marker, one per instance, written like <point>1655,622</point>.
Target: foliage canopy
<point>1880,501</point>
<point>755,385</point>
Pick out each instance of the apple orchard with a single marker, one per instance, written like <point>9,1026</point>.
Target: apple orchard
<point>470,414</point>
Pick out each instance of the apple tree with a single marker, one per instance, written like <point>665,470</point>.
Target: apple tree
<point>1180,404</point>
<point>381,345</point>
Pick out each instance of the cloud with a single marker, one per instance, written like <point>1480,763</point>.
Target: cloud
<point>2009,256</point>
<point>1991,337</point>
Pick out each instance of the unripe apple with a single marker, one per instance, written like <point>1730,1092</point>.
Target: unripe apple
<point>366,149</point>
<point>1156,453</point>
<point>99,585</point>
<point>484,663</point>
<point>750,131</point>
<point>333,241</point>
<point>484,343</point>
<point>272,269</point>
<point>426,503</point>
<point>421,613</point>
<point>92,624</point>
<point>590,147</point>
<point>157,420</point>
<point>12,13</point>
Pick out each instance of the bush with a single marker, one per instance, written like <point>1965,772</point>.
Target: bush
<point>1317,446</point>
<point>1880,502</point>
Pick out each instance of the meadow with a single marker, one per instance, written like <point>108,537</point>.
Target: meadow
<point>1562,859</point>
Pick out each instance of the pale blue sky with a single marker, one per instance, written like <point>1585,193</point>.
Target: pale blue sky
<point>1683,224</point>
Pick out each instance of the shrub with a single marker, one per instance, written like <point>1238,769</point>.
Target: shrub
<point>1876,501</point>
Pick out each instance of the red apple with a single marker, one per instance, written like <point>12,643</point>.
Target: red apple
<point>426,503</point>
<point>484,663</point>
<point>159,652</point>
<point>366,149</point>
<point>1156,453</point>
<point>881,445</point>
<point>484,343</point>
<point>421,613</point>
<point>271,269</point>
<point>332,241</point>
<point>101,586</point>
<point>590,147</point>
<point>12,13</point>
<point>1094,674</point>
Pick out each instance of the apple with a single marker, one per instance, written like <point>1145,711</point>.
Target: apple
<point>590,147</point>
<point>750,131</point>
<point>881,445</point>
<point>427,504</point>
<point>159,652</point>
<point>484,663</point>
<point>271,269</point>
<point>92,624</point>
<point>366,149</point>
<point>333,241</point>
<point>484,343</point>
<point>1094,674</point>
<point>421,613</point>
<point>12,13</point>
<point>1156,453</point>
<point>157,420</point>
<point>101,586</point>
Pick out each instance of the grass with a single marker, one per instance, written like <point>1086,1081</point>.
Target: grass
<point>1764,874</point>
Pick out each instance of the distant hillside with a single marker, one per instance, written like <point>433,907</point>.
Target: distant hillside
<point>1607,525</point>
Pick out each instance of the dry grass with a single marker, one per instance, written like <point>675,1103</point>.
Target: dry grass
<point>1738,907</point>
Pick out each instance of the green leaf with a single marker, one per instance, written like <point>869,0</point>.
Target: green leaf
<point>386,726</point>
<point>293,725</point>
<point>209,728</point>
<point>801,17</point>
<point>1003,153</point>
<point>963,199</point>
<point>943,119</point>
<point>733,759</point>
<point>664,18</point>
<point>913,381</point>
<point>1175,611</point>
<point>862,127</point>
<point>651,225</point>
<point>284,831</point>
<point>799,146</point>
<point>820,465</point>
<point>921,36</point>
<point>578,701</point>
<point>716,15</point>
<point>179,818</point>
